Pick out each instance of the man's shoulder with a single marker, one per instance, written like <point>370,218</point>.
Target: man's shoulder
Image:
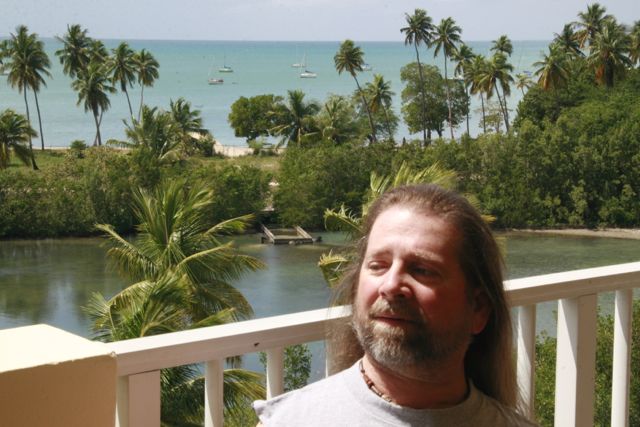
<point>498,415</point>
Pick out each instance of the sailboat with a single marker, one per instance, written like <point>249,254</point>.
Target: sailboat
<point>225,68</point>
<point>366,67</point>
<point>214,80</point>
<point>306,74</point>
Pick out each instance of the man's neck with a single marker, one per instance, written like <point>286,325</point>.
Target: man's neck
<point>437,387</point>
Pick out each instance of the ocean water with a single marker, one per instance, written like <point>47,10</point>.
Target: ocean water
<point>259,68</point>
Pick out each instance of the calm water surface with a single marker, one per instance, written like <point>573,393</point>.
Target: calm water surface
<point>48,281</point>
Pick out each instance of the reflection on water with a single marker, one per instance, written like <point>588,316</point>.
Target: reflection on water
<point>48,281</point>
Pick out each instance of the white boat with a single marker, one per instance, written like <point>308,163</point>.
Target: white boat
<point>225,68</point>
<point>215,81</point>
<point>306,74</point>
<point>366,67</point>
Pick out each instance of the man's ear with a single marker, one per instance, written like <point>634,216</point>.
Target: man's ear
<point>481,311</point>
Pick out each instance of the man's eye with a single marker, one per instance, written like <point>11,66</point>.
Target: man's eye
<point>422,271</point>
<point>376,266</point>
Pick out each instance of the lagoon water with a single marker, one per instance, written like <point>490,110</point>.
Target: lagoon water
<point>48,281</point>
<point>259,68</point>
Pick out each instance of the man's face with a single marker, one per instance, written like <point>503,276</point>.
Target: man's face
<point>411,306</point>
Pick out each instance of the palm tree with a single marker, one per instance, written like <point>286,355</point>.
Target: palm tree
<point>567,41</point>
<point>147,71</point>
<point>296,118</point>
<point>74,55</point>
<point>336,120</point>
<point>122,68</point>
<point>156,135</point>
<point>445,38</point>
<point>419,30</point>
<point>380,97</point>
<point>523,82</point>
<point>15,132</point>
<point>181,271</point>
<point>93,87</point>
<point>608,53</point>
<point>474,74</point>
<point>464,56</point>
<point>503,45</point>
<point>497,74</point>
<point>177,241</point>
<point>28,62</point>
<point>97,51</point>
<point>188,122</point>
<point>350,58</point>
<point>552,71</point>
<point>590,23</point>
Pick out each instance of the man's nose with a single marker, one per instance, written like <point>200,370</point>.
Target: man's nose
<point>394,284</point>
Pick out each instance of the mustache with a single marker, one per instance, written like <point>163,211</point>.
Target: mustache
<point>397,308</point>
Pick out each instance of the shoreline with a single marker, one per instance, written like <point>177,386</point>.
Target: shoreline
<point>614,233</point>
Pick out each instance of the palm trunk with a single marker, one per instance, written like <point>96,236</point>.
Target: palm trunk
<point>366,106</point>
<point>466,92</point>
<point>386,116</point>
<point>424,102</point>
<point>98,138</point>
<point>504,114</point>
<point>141,101</point>
<point>26,104</point>
<point>35,94</point>
<point>128,101</point>
<point>446,82</point>
<point>484,115</point>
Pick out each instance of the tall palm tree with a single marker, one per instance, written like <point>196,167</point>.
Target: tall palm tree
<point>181,272</point>
<point>419,30</point>
<point>28,64</point>
<point>567,41</point>
<point>553,71</point>
<point>590,23</point>
<point>609,53</point>
<point>97,51</point>
<point>74,55</point>
<point>523,82</point>
<point>350,58</point>
<point>380,97</point>
<point>496,75</point>
<point>445,39</point>
<point>147,71</point>
<point>93,87</point>
<point>502,44</point>
<point>464,56</point>
<point>296,118</point>
<point>15,132</point>
<point>122,68</point>
<point>474,74</point>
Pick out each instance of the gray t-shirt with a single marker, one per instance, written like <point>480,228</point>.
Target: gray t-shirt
<point>345,400</point>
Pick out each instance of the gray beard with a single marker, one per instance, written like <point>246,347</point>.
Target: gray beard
<point>416,348</point>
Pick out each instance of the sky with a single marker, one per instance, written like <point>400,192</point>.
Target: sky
<point>296,20</point>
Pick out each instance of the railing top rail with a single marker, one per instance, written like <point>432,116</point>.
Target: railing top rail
<point>570,284</point>
<point>216,342</point>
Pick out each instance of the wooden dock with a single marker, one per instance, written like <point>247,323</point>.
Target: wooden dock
<point>286,236</point>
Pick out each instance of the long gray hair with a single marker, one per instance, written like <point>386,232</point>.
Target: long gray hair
<point>489,359</point>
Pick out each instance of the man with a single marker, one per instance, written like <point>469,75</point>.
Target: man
<point>431,321</point>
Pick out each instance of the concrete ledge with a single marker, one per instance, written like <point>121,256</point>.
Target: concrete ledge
<point>51,377</point>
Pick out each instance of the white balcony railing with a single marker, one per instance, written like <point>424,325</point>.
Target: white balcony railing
<point>140,360</point>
